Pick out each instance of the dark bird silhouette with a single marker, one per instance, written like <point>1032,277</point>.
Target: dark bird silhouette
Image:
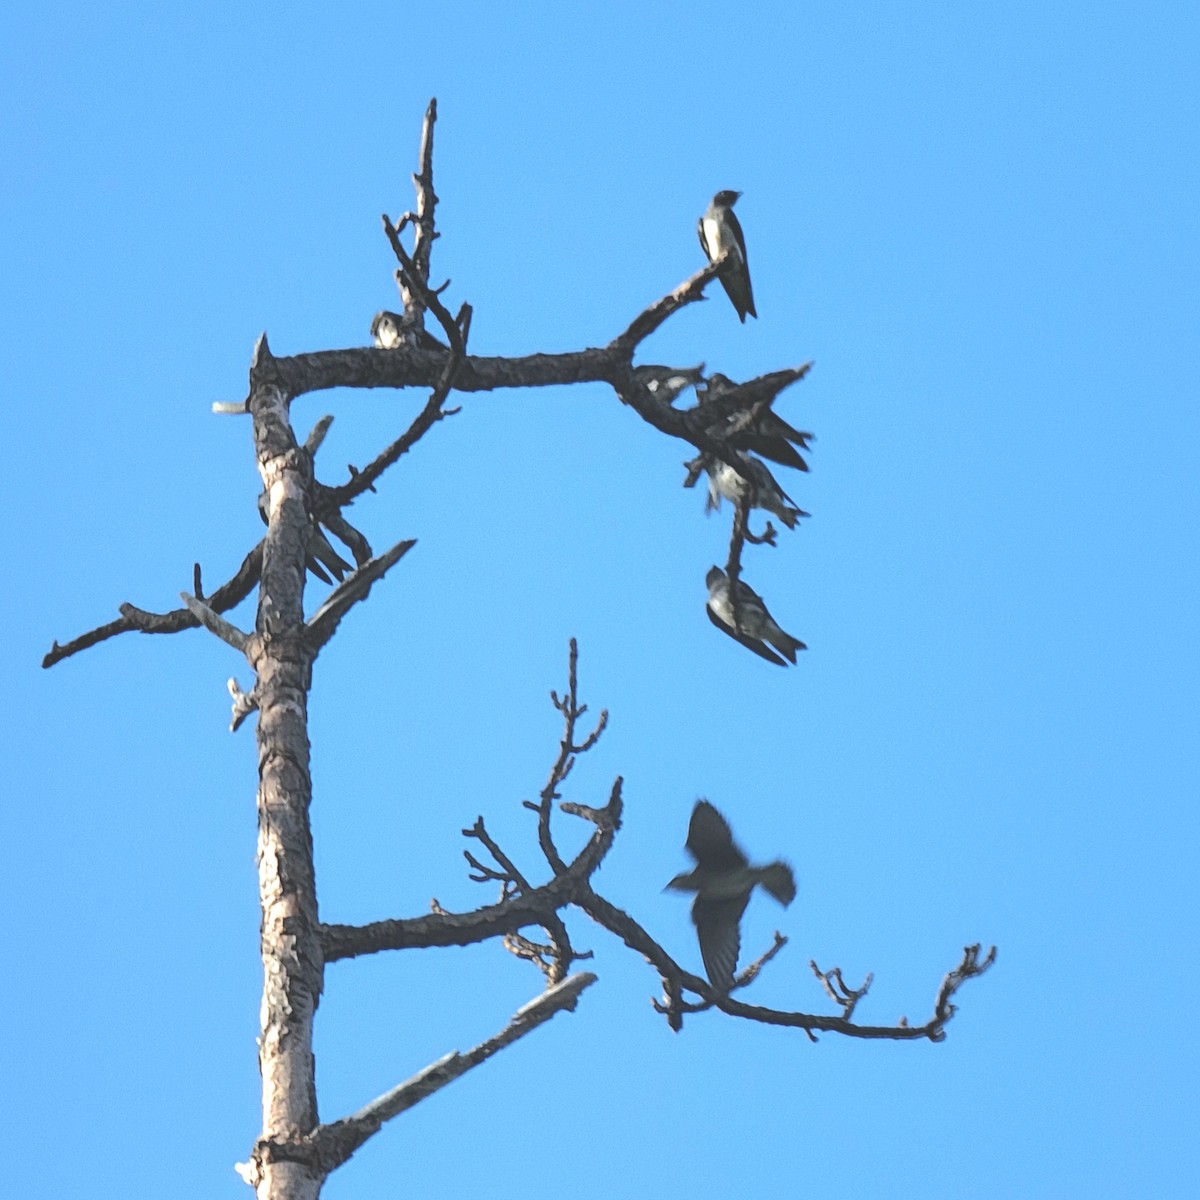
<point>766,434</point>
<point>721,233</point>
<point>754,626</point>
<point>723,880</point>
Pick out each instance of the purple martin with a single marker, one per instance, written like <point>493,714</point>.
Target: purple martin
<point>767,433</point>
<point>754,627</point>
<point>721,233</point>
<point>723,880</point>
<point>765,492</point>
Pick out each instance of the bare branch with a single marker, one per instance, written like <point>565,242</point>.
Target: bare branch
<point>568,748</point>
<point>647,321</point>
<point>356,586</point>
<point>215,624</point>
<point>316,436</point>
<point>337,1141</point>
<point>425,230</point>
<point>137,620</point>
<point>839,991</point>
<point>364,480</point>
<point>441,928</point>
<point>508,871</point>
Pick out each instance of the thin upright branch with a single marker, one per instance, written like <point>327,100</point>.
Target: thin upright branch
<point>568,749</point>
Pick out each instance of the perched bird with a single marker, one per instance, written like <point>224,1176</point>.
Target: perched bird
<point>387,328</point>
<point>394,331</point>
<point>765,493</point>
<point>754,627</point>
<point>320,549</point>
<point>767,433</point>
<point>723,880</point>
<point>721,232</point>
<point>666,383</point>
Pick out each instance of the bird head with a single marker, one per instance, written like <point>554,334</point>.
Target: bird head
<point>726,198</point>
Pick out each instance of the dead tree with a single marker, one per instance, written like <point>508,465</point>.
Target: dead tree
<point>295,1150</point>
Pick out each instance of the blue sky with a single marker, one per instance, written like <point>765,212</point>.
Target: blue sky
<point>983,228</point>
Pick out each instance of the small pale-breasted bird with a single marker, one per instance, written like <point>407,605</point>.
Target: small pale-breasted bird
<point>768,434</point>
<point>765,493</point>
<point>723,880</point>
<point>387,328</point>
<point>721,232</point>
<point>393,331</point>
<point>754,627</point>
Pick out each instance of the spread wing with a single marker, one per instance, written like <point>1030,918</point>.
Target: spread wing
<point>718,931</point>
<point>710,840</point>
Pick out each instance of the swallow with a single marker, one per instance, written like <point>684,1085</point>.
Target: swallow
<point>765,493</point>
<point>320,549</point>
<point>754,626</point>
<point>721,233</point>
<point>765,433</point>
<point>392,331</point>
<point>723,880</point>
<point>666,383</point>
<point>387,328</point>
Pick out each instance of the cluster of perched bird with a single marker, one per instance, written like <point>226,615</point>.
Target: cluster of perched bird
<point>742,420</point>
<point>738,610</point>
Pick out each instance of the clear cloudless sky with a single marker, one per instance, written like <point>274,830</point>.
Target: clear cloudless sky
<point>981,222</point>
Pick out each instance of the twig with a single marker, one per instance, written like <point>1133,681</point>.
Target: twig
<point>839,991</point>
<point>568,749</point>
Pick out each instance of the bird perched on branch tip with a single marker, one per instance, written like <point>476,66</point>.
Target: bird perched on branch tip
<point>721,233</point>
<point>754,627</point>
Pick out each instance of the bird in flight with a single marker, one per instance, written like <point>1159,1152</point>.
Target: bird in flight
<point>723,880</point>
<point>721,233</point>
<point>754,627</point>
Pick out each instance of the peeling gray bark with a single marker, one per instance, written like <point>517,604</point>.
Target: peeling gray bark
<point>283,1166</point>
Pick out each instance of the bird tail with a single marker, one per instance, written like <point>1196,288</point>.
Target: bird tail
<point>320,548</point>
<point>780,882</point>
<point>786,644</point>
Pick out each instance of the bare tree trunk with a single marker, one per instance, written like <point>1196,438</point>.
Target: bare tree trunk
<point>293,965</point>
